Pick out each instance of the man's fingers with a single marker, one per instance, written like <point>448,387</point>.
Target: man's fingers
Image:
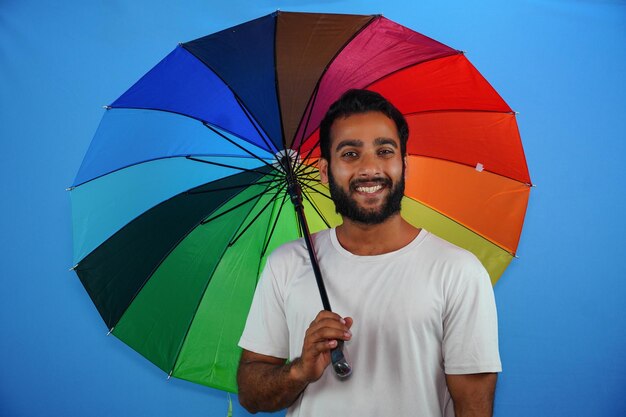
<point>325,314</point>
<point>324,346</point>
<point>321,337</point>
<point>348,321</point>
<point>330,319</point>
<point>326,333</point>
<point>331,323</point>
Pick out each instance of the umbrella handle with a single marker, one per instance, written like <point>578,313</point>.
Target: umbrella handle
<point>341,365</point>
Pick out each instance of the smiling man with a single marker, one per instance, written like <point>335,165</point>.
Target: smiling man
<point>416,313</point>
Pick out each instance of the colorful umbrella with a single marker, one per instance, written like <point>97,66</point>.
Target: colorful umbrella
<point>182,193</point>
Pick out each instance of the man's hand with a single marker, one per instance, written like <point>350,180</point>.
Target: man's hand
<point>320,338</point>
<point>266,383</point>
<point>472,394</point>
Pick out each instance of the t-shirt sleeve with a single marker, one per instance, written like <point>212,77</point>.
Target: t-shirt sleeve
<point>266,330</point>
<point>470,333</point>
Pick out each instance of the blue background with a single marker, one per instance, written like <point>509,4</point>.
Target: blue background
<point>561,64</point>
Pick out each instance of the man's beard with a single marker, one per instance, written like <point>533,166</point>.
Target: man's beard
<point>348,207</point>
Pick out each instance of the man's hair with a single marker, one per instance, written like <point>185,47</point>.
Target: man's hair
<point>356,102</point>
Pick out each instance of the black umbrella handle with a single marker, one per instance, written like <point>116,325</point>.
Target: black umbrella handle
<point>340,364</point>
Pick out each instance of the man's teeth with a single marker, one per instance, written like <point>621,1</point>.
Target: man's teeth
<point>369,189</point>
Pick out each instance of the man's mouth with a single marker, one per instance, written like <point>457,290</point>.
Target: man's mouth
<point>369,190</point>
<point>370,186</point>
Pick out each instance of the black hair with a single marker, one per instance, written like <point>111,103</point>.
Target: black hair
<point>361,101</point>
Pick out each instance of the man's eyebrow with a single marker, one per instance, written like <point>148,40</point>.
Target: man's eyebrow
<point>349,142</point>
<point>386,141</point>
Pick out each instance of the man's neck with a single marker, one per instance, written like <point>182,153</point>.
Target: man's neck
<point>367,240</point>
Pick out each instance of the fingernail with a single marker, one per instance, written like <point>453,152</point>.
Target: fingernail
<point>348,333</point>
<point>342,321</point>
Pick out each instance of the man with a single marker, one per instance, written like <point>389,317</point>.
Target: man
<point>416,313</point>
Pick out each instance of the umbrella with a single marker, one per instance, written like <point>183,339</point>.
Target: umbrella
<point>183,191</point>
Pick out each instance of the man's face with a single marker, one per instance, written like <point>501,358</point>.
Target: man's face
<point>366,171</point>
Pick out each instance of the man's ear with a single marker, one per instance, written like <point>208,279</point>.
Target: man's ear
<point>406,167</point>
<point>322,165</point>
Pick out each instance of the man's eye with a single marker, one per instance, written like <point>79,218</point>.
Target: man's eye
<point>349,154</point>
<point>386,152</point>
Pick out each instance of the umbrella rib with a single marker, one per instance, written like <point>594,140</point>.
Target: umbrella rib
<point>270,146</point>
<point>307,178</point>
<point>238,145</point>
<point>271,234</point>
<point>191,158</point>
<point>414,64</point>
<point>203,222</point>
<point>310,113</point>
<point>232,187</point>
<point>276,87</point>
<point>452,161</point>
<point>317,191</point>
<point>302,173</point>
<point>133,164</point>
<point>193,118</point>
<point>316,209</point>
<point>311,164</point>
<point>458,111</point>
<point>310,151</point>
<point>245,229</point>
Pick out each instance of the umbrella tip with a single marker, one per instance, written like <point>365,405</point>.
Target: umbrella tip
<point>74,267</point>
<point>106,107</point>
<point>110,331</point>
<point>169,376</point>
<point>70,188</point>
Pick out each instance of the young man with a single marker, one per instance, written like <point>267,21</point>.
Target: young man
<point>417,314</point>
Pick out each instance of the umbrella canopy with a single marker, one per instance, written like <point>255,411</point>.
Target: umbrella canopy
<point>182,194</point>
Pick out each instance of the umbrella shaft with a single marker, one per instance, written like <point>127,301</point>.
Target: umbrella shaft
<point>313,256</point>
<point>295,192</point>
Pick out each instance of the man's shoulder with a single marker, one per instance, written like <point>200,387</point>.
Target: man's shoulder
<point>443,251</point>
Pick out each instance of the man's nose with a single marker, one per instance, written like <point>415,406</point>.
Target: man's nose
<point>369,165</point>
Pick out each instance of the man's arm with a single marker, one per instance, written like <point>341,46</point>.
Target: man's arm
<point>472,394</point>
<point>267,383</point>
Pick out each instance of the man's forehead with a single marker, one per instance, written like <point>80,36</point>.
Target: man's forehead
<point>353,129</point>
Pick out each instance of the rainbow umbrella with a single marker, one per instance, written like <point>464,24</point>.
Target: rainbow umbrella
<point>183,191</point>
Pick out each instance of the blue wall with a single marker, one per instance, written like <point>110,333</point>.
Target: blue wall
<point>561,64</point>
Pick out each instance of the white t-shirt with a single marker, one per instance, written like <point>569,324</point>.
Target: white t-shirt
<point>419,313</point>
